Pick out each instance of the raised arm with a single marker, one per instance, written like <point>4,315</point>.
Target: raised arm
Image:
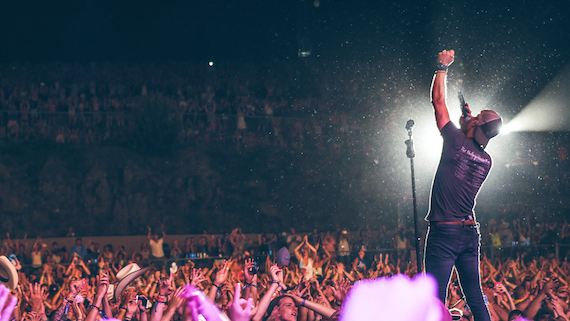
<point>35,300</point>
<point>164,290</point>
<point>8,304</point>
<point>241,309</point>
<point>74,288</point>
<point>312,248</point>
<point>9,242</point>
<point>276,282</point>
<point>296,251</point>
<point>250,278</point>
<point>325,311</point>
<point>438,88</point>
<point>220,278</point>
<point>175,302</point>
<point>535,304</point>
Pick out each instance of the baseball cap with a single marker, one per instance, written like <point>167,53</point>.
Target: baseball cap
<point>488,125</point>
<point>282,257</point>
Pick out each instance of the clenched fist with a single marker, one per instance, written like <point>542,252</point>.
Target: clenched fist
<point>446,57</point>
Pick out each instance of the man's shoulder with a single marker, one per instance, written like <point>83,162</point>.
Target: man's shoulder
<point>450,130</point>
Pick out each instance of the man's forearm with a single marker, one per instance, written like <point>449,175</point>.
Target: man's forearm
<point>534,305</point>
<point>264,302</point>
<point>438,90</point>
<point>250,291</point>
<point>168,314</point>
<point>92,315</point>
<point>157,311</point>
<point>438,94</point>
<point>58,314</point>
<point>321,309</point>
<point>107,308</point>
<point>213,292</point>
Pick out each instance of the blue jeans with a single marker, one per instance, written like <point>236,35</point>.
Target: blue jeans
<point>457,245</point>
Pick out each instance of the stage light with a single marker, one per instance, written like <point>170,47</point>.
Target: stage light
<point>509,128</point>
<point>548,111</point>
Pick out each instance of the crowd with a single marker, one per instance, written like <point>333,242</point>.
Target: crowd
<point>282,105</point>
<point>289,276</point>
<point>242,105</point>
<point>254,104</point>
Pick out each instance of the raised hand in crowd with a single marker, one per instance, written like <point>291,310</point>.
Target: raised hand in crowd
<point>78,309</point>
<point>542,294</point>
<point>35,299</point>
<point>197,277</point>
<point>74,289</point>
<point>241,309</point>
<point>131,305</point>
<point>100,304</point>
<point>8,303</point>
<point>340,290</point>
<point>198,304</point>
<point>276,283</point>
<point>250,278</point>
<point>175,304</point>
<point>221,276</point>
<point>165,286</point>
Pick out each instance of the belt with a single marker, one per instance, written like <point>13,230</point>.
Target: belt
<point>466,222</point>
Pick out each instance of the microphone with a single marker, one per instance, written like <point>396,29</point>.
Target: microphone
<point>409,142</point>
<point>463,104</point>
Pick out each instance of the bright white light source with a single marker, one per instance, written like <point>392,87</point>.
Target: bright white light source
<point>508,128</point>
<point>211,64</point>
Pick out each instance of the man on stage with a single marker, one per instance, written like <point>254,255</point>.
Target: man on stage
<point>453,235</point>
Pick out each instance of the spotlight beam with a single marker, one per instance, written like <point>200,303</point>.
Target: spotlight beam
<point>548,111</point>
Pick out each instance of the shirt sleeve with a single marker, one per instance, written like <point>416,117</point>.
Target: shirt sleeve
<point>450,133</point>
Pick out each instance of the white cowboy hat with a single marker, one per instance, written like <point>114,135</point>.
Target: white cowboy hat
<point>127,275</point>
<point>8,273</point>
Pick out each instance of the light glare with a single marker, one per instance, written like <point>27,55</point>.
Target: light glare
<point>549,110</point>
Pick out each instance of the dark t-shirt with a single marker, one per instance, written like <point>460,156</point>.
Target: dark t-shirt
<point>463,167</point>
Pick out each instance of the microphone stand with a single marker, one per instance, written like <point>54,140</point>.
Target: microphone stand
<point>410,153</point>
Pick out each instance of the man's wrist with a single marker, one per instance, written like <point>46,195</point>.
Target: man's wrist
<point>99,299</point>
<point>94,306</point>
<point>441,67</point>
